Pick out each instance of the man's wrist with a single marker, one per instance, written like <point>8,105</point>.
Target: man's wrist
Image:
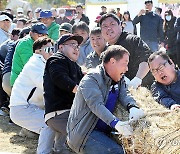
<point>129,106</point>
<point>114,122</point>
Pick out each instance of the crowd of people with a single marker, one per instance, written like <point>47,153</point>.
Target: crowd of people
<point>62,80</point>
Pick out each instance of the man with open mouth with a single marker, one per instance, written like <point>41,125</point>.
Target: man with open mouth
<point>165,89</point>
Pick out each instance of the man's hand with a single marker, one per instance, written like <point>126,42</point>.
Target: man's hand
<point>135,114</point>
<point>135,82</point>
<point>175,107</point>
<point>124,128</point>
<point>141,12</point>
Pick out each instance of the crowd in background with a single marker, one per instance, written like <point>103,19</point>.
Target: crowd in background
<point>44,55</point>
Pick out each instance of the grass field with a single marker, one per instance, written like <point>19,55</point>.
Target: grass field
<point>11,142</point>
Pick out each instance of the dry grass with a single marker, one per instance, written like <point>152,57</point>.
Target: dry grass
<point>157,133</point>
<point>10,142</point>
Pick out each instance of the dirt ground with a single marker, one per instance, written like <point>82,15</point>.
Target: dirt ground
<point>11,142</point>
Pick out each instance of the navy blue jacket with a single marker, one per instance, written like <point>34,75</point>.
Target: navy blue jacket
<point>9,57</point>
<point>151,27</point>
<point>167,95</point>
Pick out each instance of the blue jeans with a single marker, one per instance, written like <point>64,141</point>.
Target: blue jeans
<point>100,143</point>
<point>152,45</point>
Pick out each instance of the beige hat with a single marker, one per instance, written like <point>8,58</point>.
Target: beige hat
<point>20,10</point>
<point>4,17</point>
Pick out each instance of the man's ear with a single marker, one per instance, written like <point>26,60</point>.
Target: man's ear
<point>112,60</point>
<point>37,51</point>
<point>171,62</point>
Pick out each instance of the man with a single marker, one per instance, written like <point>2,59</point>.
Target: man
<point>65,28</point>
<point>21,23</point>
<point>61,78</point>
<point>151,27</point>
<point>3,52</point>
<point>82,29</point>
<point>20,13</point>
<point>91,117</point>
<point>103,10</point>
<point>37,12</point>
<point>47,18</point>
<point>139,52</point>
<point>62,17</point>
<point>165,89</point>
<point>118,13</point>
<point>158,11</point>
<point>5,24</point>
<point>24,49</point>
<point>80,16</point>
<point>98,45</point>
<point>26,102</point>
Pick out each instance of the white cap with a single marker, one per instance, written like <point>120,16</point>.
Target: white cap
<point>4,17</point>
<point>20,9</point>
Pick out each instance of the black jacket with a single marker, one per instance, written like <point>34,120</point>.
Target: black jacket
<point>138,49</point>
<point>60,77</point>
<point>84,18</point>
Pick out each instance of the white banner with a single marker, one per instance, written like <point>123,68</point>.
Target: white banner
<point>106,2</point>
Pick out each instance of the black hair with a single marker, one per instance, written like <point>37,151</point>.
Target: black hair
<point>28,12</point>
<point>40,42</point>
<point>16,31</point>
<point>107,15</point>
<point>159,9</point>
<point>161,54</point>
<point>25,30</point>
<point>23,20</point>
<point>79,5</point>
<point>95,31</point>
<point>80,25</point>
<point>114,51</point>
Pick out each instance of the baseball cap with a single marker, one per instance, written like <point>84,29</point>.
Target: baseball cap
<point>45,14</point>
<point>39,28</point>
<point>4,17</point>
<point>103,7</point>
<point>37,10</point>
<point>98,18</point>
<point>66,27</point>
<point>20,10</point>
<point>67,37</point>
<point>148,1</point>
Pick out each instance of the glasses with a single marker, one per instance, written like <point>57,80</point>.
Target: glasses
<point>160,68</point>
<point>74,45</point>
<point>49,49</point>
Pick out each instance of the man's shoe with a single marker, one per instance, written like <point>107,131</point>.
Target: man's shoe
<point>26,133</point>
<point>5,109</point>
<point>2,113</point>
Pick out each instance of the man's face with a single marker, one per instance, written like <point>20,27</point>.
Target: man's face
<point>47,21</point>
<point>83,33</point>
<point>119,68</point>
<point>110,30</point>
<point>71,49</point>
<point>162,71</point>
<point>97,42</point>
<point>20,24</point>
<point>62,32</point>
<point>79,10</point>
<point>5,25</point>
<point>149,6</point>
